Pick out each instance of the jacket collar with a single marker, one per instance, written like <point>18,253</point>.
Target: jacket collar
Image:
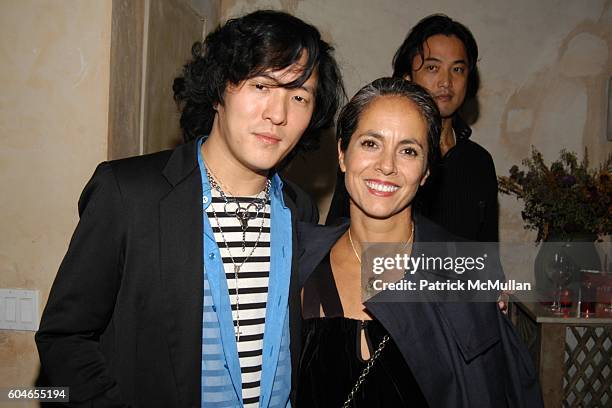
<point>314,242</point>
<point>462,130</point>
<point>182,162</point>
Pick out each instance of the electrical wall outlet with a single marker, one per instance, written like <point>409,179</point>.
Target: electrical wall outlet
<point>19,309</point>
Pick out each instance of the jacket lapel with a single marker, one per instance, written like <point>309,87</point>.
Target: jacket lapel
<point>314,241</point>
<point>181,270</point>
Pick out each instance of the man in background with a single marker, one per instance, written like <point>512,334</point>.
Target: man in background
<point>441,54</point>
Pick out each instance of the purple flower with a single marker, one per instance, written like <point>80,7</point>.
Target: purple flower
<point>568,181</point>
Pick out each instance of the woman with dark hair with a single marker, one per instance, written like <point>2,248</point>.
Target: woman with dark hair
<point>396,353</point>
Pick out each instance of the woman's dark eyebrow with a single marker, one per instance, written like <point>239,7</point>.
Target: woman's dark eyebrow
<point>378,136</point>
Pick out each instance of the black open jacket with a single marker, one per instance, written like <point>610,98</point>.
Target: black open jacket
<point>461,354</point>
<point>123,324</point>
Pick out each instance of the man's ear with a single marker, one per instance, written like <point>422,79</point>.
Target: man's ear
<point>341,157</point>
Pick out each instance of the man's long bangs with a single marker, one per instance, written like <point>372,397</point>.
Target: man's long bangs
<point>285,55</point>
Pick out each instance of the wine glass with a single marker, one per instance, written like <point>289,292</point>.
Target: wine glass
<point>560,271</point>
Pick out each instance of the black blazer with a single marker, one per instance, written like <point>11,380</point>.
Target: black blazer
<point>461,354</point>
<point>123,323</point>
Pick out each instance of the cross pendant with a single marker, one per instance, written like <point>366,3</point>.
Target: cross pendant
<point>243,217</point>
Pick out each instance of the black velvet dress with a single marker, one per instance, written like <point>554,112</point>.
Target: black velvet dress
<point>331,359</point>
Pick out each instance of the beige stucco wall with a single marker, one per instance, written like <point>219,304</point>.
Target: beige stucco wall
<point>544,66</point>
<point>173,27</point>
<point>54,75</point>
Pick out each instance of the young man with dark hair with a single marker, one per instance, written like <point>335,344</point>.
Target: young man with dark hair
<point>177,287</point>
<point>440,54</point>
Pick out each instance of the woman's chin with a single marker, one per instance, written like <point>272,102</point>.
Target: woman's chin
<point>379,212</point>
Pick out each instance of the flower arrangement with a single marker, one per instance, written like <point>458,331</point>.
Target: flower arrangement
<point>565,198</point>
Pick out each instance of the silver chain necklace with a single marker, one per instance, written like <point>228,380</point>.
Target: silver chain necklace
<point>237,266</point>
<point>242,214</point>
